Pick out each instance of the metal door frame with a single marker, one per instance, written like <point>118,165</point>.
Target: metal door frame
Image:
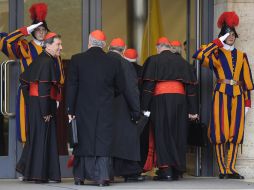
<point>204,19</point>
<point>8,163</point>
<point>90,21</point>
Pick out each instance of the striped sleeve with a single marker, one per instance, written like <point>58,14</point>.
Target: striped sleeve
<point>248,82</point>
<point>10,45</point>
<point>204,54</point>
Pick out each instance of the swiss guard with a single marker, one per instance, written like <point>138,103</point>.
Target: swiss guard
<point>231,97</point>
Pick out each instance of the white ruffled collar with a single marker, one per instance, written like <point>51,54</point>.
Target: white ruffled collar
<point>228,47</point>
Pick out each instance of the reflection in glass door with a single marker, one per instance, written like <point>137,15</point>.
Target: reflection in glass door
<point>4,20</point>
<point>9,76</point>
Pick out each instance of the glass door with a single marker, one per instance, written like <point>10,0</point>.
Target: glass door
<point>8,85</point>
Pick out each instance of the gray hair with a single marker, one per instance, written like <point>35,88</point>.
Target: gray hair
<point>96,43</point>
<point>50,40</point>
<point>163,46</point>
<point>176,49</point>
<point>119,49</point>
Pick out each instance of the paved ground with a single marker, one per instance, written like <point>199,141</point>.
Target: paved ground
<point>186,183</point>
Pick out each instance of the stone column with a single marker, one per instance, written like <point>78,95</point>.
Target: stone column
<point>244,9</point>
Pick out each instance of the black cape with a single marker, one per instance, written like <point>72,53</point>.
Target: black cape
<point>168,66</point>
<point>39,159</point>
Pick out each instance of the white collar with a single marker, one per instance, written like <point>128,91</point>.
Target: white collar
<point>117,52</point>
<point>37,42</point>
<point>228,47</point>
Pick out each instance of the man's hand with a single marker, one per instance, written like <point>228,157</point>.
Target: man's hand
<point>57,104</point>
<point>71,117</point>
<point>224,37</point>
<point>135,116</point>
<point>193,117</point>
<point>146,113</point>
<point>31,28</point>
<point>47,118</point>
<point>246,110</point>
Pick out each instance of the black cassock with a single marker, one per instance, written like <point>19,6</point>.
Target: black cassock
<point>39,160</point>
<point>139,70</point>
<point>169,112</point>
<point>144,136</point>
<point>93,80</point>
<point>126,146</point>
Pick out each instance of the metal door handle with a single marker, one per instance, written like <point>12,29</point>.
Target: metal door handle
<point>4,95</point>
<point>1,90</point>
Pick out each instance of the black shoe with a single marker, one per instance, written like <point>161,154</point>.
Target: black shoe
<point>223,176</point>
<point>41,181</point>
<point>175,177</point>
<point>103,183</point>
<point>79,182</point>
<point>176,174</point>
<point>134,178</point>
<point>162,178</point>
<point>235,176</point>
<point>54,181</point>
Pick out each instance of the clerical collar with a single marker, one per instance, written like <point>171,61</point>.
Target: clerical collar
<point>228,47</point>
<point>117,52</point>
<point>37,42</point>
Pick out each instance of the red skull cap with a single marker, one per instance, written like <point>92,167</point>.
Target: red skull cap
<point>117,42</point>
<point>98,35</point>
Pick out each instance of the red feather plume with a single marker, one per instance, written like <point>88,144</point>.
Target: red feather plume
<point>231,19</point>
<point>38,11</point>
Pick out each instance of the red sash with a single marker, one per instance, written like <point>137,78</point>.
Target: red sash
<point>55,92</point>
<point>169,87</point>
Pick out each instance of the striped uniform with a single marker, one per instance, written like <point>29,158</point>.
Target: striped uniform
<point>229,101</point>
<point>14,46</point>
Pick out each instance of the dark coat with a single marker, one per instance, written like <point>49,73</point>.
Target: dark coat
<point>126,134</point>
<point>93,78</point>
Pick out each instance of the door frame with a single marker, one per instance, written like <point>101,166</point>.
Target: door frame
<point>8,163</point>
<point>204,19</point>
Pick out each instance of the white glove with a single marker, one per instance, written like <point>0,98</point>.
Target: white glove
<point>246,110</point>
<point>193,116</point>
<point>31,28</point>
<point>147,113</point>
<point>223,38</point>
<point>71,117</point>
<point>57,104</point>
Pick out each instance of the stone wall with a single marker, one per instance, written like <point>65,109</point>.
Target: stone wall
<point>245,11</point>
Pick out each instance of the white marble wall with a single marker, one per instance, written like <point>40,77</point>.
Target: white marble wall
<point>245,11</point>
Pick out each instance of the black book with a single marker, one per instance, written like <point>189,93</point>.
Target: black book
<point>73,133</point>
